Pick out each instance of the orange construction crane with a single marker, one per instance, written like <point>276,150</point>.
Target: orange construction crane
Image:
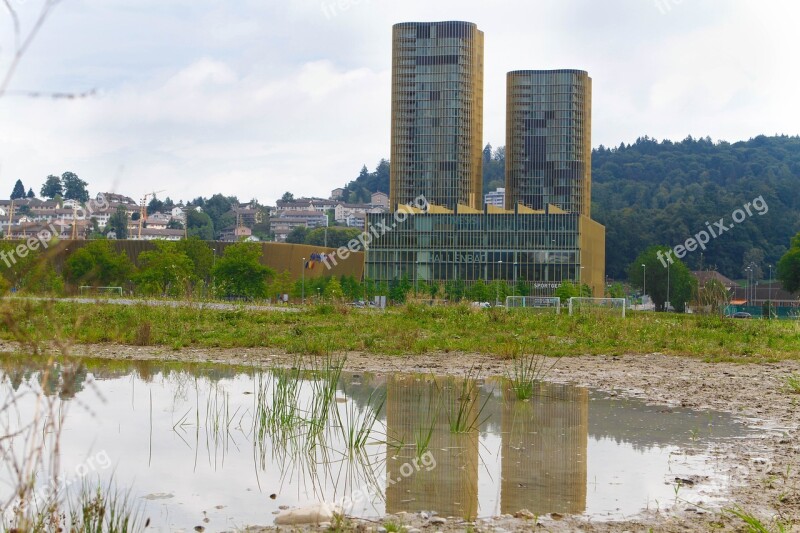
<point>143,210</point>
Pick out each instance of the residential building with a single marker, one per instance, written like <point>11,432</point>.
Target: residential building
<point>437,114</point>
<point>549,140</point>
<point>380,199</point>
<point>337,194</point>
<point>496,198</point>
<point>152,234</point>
<point>343,211</point>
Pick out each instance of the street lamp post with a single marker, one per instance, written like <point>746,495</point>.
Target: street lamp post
<point>515,278</point>
<point>644,282</point>
<point>769,309</point>
<point>416,278</point>
<point>497,283</point>
<point>303,283</point>
<point>747,285</point>
<point>667,306</point>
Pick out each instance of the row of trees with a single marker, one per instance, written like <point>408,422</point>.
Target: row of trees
<point>68,186</point>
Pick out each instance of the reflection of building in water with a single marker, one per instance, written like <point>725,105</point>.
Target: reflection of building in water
<point>451,488</point>
<point>544,451</point>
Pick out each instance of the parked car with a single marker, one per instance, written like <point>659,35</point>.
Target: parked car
<point>741,314</point>
<point>482,305</point>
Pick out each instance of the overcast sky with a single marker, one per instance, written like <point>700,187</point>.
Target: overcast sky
<point>256,97</point>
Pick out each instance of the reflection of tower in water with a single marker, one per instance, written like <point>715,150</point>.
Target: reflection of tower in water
<point>544,451</point>
<point>413,406</point>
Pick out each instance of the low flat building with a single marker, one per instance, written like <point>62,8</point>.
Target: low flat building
<point>543,249</point>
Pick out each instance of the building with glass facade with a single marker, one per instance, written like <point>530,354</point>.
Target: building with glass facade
<point>548,139</point>
<point>437,113</point>
<point>544,236</point>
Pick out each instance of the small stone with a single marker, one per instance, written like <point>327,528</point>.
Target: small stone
<point>199,529</point>
<point>273,496</point>
<point>524,513</point>
<point>381,530</point>
<point>283,507</point>
<point>424,515</point>
<point>438,521</point>
<point>413,530</point>
<point>325,525</point>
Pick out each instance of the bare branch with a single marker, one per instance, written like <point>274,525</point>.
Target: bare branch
<point>15,20</point>
<point>47,7</point>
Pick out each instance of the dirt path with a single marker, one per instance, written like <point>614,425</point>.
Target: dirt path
<point>764,470</point>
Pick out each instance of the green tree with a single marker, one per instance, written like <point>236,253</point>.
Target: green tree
<point>52,187</point>
<point>522,289</point>
<point>337,237</point>
<point>155,206</point>
<point>658,278</point>
<point>118,223</point>
<point>565,291</point>
<point>281,284</point>
<point>31,194</point>
<point>74,187</point>
<point>479,292</point>
<point>33,273</point>
<point>199,225</point>
<point>298,235</point>
<point>616,291</point>
<point>19,191</point>
<point>97,264</point>
<point>789,267</point>
<point>399,289</point>
<point>239,273</point>
<point>455,289</point>
<point>200,254</point>
<point>165,271</point>
<point>333,290</point>
<point>352,289</point>
<point>287,197</point>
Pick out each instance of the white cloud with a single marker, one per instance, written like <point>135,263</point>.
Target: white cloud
<point>256,98</point>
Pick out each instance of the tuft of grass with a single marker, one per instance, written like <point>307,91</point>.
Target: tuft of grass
<point>143,334</point>
<point>793,383</point>
<point>754,525</point>
<point>356,425</point>
<point>104,510</point>
<point>526,372</point>
<point>464,414</point>
<point>393,527</point>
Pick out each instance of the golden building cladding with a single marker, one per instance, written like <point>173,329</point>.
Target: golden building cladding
<point>437,113</point>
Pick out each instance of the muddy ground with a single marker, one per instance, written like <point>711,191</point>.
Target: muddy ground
<point>764,470</point>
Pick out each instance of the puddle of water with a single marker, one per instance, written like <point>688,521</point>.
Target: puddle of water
<point>198,443</point>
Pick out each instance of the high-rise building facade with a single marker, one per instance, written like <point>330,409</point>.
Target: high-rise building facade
<point>545,236</point>
<point>549,140</point>
<point>437,114</point>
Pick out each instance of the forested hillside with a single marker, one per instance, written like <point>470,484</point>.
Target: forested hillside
<point>662,193</point>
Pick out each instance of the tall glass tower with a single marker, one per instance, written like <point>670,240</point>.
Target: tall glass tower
<point>548,140</point>
<point>437,114</point>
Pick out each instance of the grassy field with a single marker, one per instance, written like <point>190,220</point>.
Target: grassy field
<point>411,329</point>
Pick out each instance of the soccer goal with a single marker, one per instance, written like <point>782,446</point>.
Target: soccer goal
<point>533,302</point>
<point>584,305</point>
<point>87,290</point>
